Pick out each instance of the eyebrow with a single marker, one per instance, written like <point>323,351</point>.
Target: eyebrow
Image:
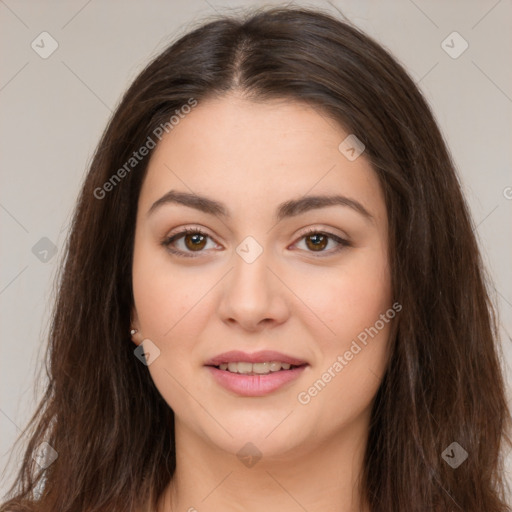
<point>289,208</point>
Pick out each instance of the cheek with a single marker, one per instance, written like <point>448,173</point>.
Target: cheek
<point>353,360</point>
<point>169,312</point>
<point>348,299</point>
<point>165,296</point>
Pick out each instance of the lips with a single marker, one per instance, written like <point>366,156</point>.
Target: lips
<point>264,356</point>
<point>253,384</point>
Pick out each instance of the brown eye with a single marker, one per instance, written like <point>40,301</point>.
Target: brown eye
<point>192,242</point>
<point>317,242</point>
<point>195,241</point>
<point>187,242</point>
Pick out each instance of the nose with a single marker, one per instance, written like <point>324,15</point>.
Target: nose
<point>253,295</point>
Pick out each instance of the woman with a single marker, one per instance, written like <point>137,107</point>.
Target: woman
<point>272,297</point>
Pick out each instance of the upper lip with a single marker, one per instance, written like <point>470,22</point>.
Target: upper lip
<point>263,356</point>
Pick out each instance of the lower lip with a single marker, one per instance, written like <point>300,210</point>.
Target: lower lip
<point>254,385</point>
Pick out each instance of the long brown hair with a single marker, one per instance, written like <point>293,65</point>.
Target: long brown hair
<point>101,412</point>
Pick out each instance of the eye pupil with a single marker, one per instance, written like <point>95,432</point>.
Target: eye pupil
<point>198,241</point>
<point>320,241</point>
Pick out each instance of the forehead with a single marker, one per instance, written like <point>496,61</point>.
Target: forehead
<point>246,152</point>
<point>233,129</point>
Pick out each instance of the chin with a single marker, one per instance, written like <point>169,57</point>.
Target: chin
<point>267,439</point>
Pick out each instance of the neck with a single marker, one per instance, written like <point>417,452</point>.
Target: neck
<point>322,476</point>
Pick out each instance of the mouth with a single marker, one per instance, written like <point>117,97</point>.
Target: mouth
<point>265,368</point>
<point>254,374</point>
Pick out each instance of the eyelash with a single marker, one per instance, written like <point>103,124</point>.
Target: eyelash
<point>197,231</point>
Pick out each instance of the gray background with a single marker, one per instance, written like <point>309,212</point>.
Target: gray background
<point>55,109</point>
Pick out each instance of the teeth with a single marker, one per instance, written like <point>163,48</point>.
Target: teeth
<point>257,368</point>
<point>242,367</point>
<point>233,367</point>
<point>261,368</point>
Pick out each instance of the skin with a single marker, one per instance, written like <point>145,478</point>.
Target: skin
<point>253,156</point>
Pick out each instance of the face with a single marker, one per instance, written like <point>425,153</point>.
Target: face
<point>261,270</point>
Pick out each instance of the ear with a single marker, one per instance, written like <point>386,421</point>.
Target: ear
<point>134,324</point>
